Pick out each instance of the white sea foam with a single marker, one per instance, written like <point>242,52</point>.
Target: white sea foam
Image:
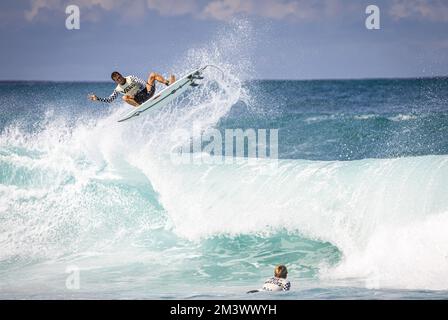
<point>402,117</point>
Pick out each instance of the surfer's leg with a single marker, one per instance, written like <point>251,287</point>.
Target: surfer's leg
<point>172,79</point>
<point>130,100</point>
<point>153,76</point>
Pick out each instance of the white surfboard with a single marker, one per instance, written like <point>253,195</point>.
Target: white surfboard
<point>168,94</point>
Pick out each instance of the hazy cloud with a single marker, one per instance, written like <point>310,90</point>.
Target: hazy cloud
<point>274,9</point>
<point>300,10</point>
<point>37,5</point>
<point>226,9</point>
<point>130,9</point>
<point>433,10</point>
<point>173,7</point>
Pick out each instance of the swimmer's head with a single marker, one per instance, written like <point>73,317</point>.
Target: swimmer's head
<point>281,272</point>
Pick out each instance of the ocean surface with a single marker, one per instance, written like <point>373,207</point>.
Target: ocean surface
<point>355,206</point>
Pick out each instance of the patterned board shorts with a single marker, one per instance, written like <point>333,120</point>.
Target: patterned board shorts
<point>144,94</point>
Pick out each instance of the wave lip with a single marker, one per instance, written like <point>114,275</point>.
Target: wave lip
<point>362,207</point>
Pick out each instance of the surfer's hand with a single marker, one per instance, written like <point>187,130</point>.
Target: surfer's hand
<point>93,97</point>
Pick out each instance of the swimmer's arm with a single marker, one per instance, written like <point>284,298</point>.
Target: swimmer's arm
<point>286,286</point>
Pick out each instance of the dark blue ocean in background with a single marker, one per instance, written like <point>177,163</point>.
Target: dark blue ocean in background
<point>318,119</point>
<point>355,207</point>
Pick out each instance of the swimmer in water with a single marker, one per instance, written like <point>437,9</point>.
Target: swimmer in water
<point>276,283</point>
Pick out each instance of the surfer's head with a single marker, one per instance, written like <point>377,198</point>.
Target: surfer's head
<point>281,272</point>
<point>118,78</point>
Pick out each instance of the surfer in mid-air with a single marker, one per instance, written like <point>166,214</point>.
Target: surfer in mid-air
<point>135,91</point>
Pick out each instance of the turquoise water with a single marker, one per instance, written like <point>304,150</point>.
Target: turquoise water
<point>355,206</point>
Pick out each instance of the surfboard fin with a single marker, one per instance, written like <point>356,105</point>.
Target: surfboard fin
<point>253,291</point>
<point>195,76</point>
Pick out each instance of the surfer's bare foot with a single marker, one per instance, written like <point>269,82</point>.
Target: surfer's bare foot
<point>172,79</point>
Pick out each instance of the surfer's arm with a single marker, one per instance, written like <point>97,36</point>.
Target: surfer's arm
<point>109,99</point>
<point>286,286</point>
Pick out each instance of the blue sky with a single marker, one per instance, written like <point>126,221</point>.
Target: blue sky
<point>289,39</point>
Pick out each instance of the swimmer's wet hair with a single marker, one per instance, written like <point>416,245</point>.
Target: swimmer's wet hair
<point>114,74</point>
<point>280,271</point>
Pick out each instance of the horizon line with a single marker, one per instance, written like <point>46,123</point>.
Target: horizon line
<point>255,79</point>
